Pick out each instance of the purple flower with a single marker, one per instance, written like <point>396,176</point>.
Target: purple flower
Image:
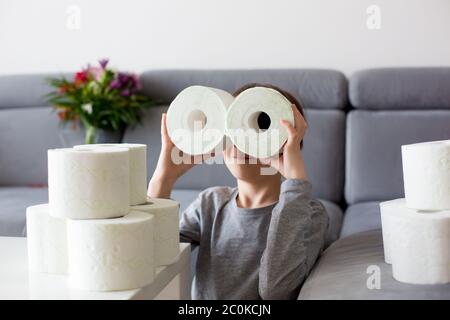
<point>136,83</point>
<point>126,92</point>
<point>123,77</point>
<point>115,84</point>
<point>127,83</point>
<point>103,63</point>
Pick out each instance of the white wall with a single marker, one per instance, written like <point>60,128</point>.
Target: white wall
<point>139,35</point>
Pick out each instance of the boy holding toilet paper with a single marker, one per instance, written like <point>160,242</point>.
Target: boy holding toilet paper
<point>261,239</point>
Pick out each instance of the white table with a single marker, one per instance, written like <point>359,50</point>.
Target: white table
<point>17,283</point>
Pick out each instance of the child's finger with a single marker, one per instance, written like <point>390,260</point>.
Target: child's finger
<point>164,133</point>
<point>163,129</point>
<point>164,124</point>
<point>292,132</point>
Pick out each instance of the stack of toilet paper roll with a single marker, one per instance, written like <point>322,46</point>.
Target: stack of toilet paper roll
<point>416,229</point>
<point>99,228</point>
<point>201,118</point>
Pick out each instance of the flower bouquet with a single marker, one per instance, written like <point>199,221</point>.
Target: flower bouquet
<point>99,98</point>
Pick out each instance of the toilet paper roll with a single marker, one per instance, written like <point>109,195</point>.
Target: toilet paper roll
<point>196,119</point>
<point>426,175</point>
<point>253,121</point>
<point>419,244</point>
<point>46,241</point>
<point>111,254</point>
<point>138,168</point>
<point>89,184</point>
<point>167,231</point>
<point>388,210</point>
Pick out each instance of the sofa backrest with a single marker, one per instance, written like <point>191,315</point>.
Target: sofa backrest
<point>324,93</point>
<point>393,106</point>
<point>27,129</point>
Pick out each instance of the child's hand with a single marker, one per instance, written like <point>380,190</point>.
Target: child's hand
<point>167,172</point>
<point>290,163</point>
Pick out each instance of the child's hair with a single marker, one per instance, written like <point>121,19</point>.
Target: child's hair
<point>285,93</point>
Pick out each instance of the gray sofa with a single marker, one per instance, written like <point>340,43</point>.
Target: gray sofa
<point>389,108</point>
<point>352,150</point>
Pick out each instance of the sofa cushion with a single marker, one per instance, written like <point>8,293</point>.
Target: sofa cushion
<point>361,217</point>
<point>325,89</point>
<point>373,149</point>
<point>342,273</point>
<point>401,88</point>
<point>323,152</point>
<point>25,91</point>
<point>25,136</point>
<point>15,200</point>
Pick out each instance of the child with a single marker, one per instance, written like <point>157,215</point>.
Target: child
<point>256,241</point>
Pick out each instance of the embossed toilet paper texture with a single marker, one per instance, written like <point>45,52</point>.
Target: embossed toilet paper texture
<point>138,173</point>
<point>419,243</point>
<point>167,233</point>
<point>426,175</point>
<point>138,168</point>
<point>89,184</point>
<point>46,241</point>
<point>242,125</point>
<point>192,107</point>
<point>111,254</point>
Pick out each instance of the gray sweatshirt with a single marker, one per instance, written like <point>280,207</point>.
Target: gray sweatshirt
<point>262,253</point>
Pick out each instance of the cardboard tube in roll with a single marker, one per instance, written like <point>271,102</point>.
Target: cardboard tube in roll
<point>167,231</point>
<point>138,168</point>
<point>196,119</point>
<point>426,175</point>
<point>46,241</point>
<point>89,184</point>
<point>253,121</point>
<point>111,254</point>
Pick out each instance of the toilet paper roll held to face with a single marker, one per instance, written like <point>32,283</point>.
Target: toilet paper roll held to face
<point>111,254</point>
<point>167,234</point>
<point>196,119</point>
<point>253,121</point>
<point>46,241</point>
<point>89,183</point>
<point>426,175</point>
<point>138,168</point>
